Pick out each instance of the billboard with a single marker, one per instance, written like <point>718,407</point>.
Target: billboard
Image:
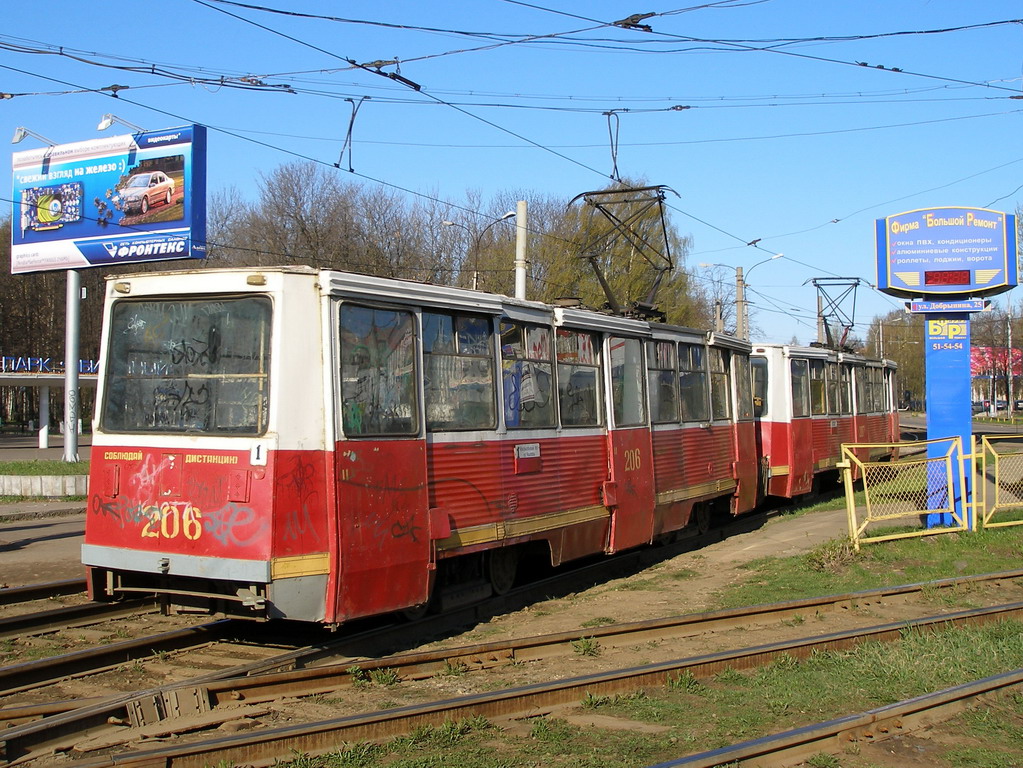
<point>934,252</point>
<point>115,200</point>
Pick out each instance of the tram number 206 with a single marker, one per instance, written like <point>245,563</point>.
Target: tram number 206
<point>171,521</point>
<point>633,459</point>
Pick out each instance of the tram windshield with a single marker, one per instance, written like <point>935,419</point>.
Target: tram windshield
<point>188,365</point>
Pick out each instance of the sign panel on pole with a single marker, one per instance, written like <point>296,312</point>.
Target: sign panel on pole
<point>115,200</point>
<point>952,251</point>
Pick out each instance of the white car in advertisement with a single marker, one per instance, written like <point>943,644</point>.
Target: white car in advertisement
<point>143,190</point>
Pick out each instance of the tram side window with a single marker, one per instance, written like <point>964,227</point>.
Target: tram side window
<point>628,403</point>
<point>743,386</point>
<point>378,372</point>
<point>197,366</point>
<point>759,366</point>
<point>831,374</point>
<point>663,382</point>
<point>845,389</point>
<point>800,388</point>
<point>458,374</point>
<point>720,390</point>
<point>692,364</point>
<point>528,375</point>
<point>864,394</point>
<point>818,393</point>
<point>578,378</point>
<point>877,389</point>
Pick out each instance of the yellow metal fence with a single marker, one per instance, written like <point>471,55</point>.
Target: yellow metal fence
<point>1001,478</point>
<point>901,495</point>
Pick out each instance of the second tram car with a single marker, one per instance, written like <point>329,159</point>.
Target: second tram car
<point>322,446</point>
<point>811,400</point>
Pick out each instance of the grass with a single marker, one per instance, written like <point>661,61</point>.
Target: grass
<point>834,567</point>
<point>44,467</point>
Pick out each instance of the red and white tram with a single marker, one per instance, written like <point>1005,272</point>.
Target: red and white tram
<point>811,400</point>
<point>323,446</point>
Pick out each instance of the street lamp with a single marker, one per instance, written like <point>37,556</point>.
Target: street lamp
<point>476,243</point>
<point>741,307</point>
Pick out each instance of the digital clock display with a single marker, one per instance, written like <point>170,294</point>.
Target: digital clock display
<point>947,277</point>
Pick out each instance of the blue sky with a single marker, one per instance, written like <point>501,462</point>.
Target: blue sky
<point>798,146</point>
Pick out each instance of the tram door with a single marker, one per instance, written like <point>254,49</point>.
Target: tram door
<point>630,492</point>
<point>380,466</point>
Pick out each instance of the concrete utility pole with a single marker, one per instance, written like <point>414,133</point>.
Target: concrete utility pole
<point>520,250</point>
<point>741,329</point>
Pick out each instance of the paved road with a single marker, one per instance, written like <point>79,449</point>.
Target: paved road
<point>979,427</point>
<point>34,550</point>
<point>40,540</point>
<point>25,447</point>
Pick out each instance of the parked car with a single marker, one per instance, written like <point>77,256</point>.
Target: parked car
<point>145,189</point>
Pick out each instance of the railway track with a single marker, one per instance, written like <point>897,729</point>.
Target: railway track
<point>266,746</point>
<point>41,591</point>
<point>243,692</point>
<point>56,619</point>
<point>36,673</point>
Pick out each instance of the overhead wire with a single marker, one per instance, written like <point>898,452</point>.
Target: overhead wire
<point>427,94</point>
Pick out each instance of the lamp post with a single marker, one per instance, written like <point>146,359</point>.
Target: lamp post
<point>476,243</point>
<point>741,307</point>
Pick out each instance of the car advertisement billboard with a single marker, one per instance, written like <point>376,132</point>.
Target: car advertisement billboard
<point>951,251</point>
<point>115,200</point>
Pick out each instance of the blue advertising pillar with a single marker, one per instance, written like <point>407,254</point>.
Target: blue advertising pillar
<point>947,361</point>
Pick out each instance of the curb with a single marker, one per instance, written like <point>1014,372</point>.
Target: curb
<point>38,510</point>
<point>44,486</point>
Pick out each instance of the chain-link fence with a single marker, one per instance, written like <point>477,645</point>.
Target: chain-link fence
<point>1001,477</point>
<point>912,496</point>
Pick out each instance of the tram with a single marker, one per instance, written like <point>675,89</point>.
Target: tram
<point>323,446</point>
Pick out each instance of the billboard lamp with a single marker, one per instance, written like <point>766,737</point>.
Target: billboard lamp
<point>20,133</point>
<point>109,119</point>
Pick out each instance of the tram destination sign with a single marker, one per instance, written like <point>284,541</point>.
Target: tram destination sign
<point>119,199</point>
<point>946,252</point>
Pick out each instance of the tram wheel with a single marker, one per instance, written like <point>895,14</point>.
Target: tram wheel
<point>702,514</point>
<point>502,567</point>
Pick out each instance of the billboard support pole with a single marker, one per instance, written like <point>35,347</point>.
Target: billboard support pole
<point>44,417</point>
<point>72,313</point>
<point>947,363</point>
